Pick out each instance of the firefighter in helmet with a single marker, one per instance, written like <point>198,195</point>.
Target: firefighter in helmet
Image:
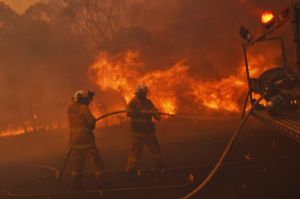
<point>82,140</point>
<point>141,111</point>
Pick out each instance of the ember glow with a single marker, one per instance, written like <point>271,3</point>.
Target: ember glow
<point>267,17</point>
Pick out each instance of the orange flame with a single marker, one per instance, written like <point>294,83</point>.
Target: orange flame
<point>28,129</point>
<point>123,72</point>
<point>12,132</point>
<point>220,95</point>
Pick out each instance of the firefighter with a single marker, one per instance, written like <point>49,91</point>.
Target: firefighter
<point>141,111</point>
<point>82,140</point>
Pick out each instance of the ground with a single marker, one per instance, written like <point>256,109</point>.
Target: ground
<point>262,164</point>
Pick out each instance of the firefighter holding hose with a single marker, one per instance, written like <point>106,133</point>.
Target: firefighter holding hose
<point>82,140</point>
<point>141,111</point>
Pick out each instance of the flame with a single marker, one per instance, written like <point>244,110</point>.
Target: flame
<point>99,110</point>
<point>267,17</point>
<point>220,95</point>
<point>258,64</point>
<point>169,107</point>
<point>171,88</point>
<point>27,128</point>
<point>116,72</point>
<point>12,132</point>
<point>122,73</point>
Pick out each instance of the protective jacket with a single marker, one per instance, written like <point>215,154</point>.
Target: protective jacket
<point>141,113</point>
<point>82,123</point>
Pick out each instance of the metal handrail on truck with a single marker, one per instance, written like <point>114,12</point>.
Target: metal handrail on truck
<point>288,124</point>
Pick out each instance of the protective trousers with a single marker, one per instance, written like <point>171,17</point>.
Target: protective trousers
<point>79,157</point>
<point>137,143</point>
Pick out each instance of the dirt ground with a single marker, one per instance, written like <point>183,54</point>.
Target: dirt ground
<point>262,164</point>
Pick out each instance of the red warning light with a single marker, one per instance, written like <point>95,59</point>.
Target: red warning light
<point>267,17</point>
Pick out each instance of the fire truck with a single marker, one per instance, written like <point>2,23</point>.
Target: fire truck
<point>279,86</point>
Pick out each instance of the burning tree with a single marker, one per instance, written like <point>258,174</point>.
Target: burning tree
<point>98,19</point>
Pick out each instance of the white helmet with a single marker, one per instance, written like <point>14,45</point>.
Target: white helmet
<point>141,89</point>
<point>80,94</point>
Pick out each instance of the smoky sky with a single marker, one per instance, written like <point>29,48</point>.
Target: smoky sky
<point>203,32</point>
<point>43,60</point>
<point>20,5</point>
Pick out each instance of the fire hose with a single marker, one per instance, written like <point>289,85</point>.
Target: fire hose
<point>227,149</point>
<point>210,176</point>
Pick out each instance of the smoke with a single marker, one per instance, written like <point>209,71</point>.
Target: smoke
<point>44,58</point>
<point>42,64</point>
<point>204,33</point>
<point>20,6</point>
